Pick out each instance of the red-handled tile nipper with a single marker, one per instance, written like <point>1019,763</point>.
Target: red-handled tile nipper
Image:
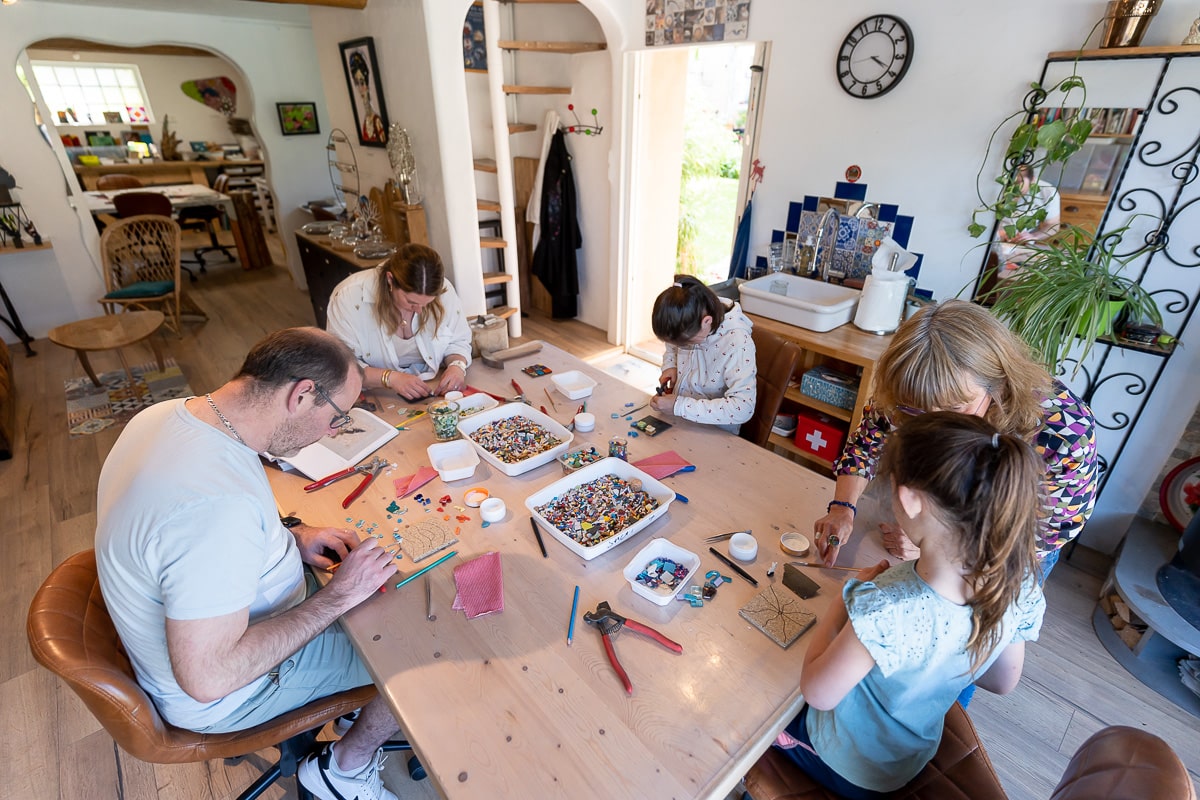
<point>368,469</point>
<point>609,622</point>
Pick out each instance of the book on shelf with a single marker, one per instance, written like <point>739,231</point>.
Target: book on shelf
<point>1100,168</point>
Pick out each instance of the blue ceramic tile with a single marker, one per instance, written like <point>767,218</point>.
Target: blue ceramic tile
<point>761,261</point>
<point>844,190</point>
<point>810,202</point>
<point>888,212</point>
<point>793,220</point>
<point>808,225</point>
<point>915,269</point>
<point>776,236</point>
<point>901,230</point>
<point>847,236</point>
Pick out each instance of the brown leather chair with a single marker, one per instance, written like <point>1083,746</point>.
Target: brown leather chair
<point>960,770</point>
<point>776,360</point>
<point>1121,763</point>
<point>71,634</point>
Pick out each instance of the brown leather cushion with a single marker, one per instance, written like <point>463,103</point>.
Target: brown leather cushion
<point>1120,763</point>
<point>8,403</point>
<point>776,360</point>
<point>960,770</point>
<point>71,634</point>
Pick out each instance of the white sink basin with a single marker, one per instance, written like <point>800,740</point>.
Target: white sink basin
<point>803,302</point>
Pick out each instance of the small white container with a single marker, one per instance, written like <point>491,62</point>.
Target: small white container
<point>492,510</point>
<point>455,397</point>
<point>573,383</point>
<point>743,547</point>
<point>453,460</point>
<point>585,422</point>
<point>661,548</point>
<point>473,403</point>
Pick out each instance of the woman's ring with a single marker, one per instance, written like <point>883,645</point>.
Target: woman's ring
<point>833,540</point>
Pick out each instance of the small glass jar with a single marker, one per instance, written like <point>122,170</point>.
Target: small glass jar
<point>618,448</point>
<point>445,420</point>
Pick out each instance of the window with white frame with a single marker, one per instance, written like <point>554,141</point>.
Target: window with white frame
<point>80,93</point>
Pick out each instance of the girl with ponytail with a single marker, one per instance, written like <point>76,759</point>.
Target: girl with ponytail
<point>709,372</point>
<point>889,658</point>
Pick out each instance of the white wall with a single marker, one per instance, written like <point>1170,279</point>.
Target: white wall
<point>273,49</point>
<point>191,120</point>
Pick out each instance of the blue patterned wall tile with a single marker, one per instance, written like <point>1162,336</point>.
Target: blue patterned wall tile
<point>847,236</point>
<point>808,226</point>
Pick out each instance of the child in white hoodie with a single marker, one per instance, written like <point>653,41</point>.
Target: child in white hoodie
<point>709,361</point>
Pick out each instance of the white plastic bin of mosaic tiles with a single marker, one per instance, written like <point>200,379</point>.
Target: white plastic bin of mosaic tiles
<point>472,404</point>
<point>658,492</point>
<point>661,549</point>
<point>519,437</point>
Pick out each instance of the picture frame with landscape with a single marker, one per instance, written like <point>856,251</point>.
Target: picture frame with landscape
<point>296,119</point>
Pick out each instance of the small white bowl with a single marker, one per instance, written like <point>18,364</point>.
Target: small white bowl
<point>454,460</point>
<point>661,548</point>
<point>573,383</point>
<point>492,510</point>
<point>743,547</point>
<point>585,422</point>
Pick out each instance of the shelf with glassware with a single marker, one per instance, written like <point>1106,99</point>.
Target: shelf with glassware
<point>846,350</point>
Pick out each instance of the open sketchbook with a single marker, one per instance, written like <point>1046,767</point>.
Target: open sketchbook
<point>351,445</point>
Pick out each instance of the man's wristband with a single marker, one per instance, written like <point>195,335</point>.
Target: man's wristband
<point>843,504</point>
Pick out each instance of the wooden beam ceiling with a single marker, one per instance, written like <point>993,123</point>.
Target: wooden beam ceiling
<point>355,4</point>
<point>71,45</point>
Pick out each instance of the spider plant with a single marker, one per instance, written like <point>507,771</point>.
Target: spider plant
<point>1063,293</point>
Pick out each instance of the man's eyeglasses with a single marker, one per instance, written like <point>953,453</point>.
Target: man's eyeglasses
<point>341,419</point>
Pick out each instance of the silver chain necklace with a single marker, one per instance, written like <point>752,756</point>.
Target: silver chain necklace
<point>224,421</point>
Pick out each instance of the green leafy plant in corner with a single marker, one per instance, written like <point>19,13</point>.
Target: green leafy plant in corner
<point>1063,291</point>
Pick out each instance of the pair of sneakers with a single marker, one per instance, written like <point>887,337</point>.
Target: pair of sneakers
<point>319,775</point>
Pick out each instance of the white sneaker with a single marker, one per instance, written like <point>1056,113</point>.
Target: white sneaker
<point>345,722</point>
<point>316,774</point>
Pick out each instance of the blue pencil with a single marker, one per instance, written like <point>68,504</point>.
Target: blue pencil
<point>681,498</point>
<point>423,570</point>
<point>574,608</point>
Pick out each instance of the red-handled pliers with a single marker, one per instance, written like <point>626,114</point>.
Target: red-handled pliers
<point>369,470</point>
<point>609,622</point>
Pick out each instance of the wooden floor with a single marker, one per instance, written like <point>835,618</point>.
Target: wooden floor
<point>1071,686</point>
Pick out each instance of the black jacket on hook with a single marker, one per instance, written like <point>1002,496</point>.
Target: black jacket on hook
<point>554,259</point>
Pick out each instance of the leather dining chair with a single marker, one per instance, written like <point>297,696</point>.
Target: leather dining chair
<point>72,635</point>
<point>776,359</point>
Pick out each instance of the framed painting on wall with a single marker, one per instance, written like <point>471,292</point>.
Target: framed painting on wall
<point>298,118</point>
<point>366,91</point>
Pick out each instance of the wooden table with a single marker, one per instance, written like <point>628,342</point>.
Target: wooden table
<point>181,196</point>
<point>500,706</point>
<point>110,332</point>
<point>158,172</point>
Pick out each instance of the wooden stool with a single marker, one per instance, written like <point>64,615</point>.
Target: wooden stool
<point>110,332</point>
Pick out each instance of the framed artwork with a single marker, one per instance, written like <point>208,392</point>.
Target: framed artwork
<point>474,52</point>
<point>366,91</point>
<point>298,118</point>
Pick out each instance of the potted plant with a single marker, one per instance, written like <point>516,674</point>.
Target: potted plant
<point>1074,286</point>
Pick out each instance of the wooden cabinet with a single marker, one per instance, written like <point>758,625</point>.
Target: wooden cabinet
<point>846,349</point>
<point>325,268</point>
<point>1084,210</point>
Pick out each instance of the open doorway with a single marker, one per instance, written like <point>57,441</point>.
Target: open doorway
<point>689,179</point>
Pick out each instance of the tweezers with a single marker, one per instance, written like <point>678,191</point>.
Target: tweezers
<point>720,537</point>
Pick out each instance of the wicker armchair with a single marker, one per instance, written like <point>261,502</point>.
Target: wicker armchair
<point>141,258</point>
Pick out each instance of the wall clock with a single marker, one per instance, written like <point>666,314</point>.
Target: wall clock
<point>874,56</point>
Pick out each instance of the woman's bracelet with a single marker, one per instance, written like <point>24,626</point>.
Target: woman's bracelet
<point>385,378</point>
<point>843,504</point>
<point>457,363</point>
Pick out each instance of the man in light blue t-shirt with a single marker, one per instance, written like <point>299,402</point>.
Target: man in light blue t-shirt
<point>205,584</point>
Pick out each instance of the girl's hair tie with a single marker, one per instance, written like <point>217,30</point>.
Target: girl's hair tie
<point>678,284</point>
<point>995,441</point>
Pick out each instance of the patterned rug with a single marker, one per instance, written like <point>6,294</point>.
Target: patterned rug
<point>92,408</point>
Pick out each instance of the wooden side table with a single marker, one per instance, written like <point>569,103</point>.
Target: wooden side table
<point>110,332</point>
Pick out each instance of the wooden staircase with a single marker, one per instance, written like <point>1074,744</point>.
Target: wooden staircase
<point>511,246</point>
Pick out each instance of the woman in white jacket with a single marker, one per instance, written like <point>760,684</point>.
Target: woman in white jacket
<point>709,361</point>
<point>404,322</point>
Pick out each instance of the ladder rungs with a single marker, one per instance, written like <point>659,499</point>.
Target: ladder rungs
<point>503,312</point>
<point>553,47</point>
<point>521,127</point>
<point>492,278</point>
<point>492,242</point>
<point>487,205</point>
<point>546,2</point>
<point>485,164</point>
<point>515,88</point>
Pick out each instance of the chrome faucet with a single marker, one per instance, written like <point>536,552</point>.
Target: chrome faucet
<point>817,271</point>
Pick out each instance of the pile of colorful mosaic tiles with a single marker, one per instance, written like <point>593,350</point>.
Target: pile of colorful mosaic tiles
<point>662,575</point>
<point>579,458</point>
<point>597,510</point>
<point>514,439</point>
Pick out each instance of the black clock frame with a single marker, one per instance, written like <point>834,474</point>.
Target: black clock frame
<point>856,34</point>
